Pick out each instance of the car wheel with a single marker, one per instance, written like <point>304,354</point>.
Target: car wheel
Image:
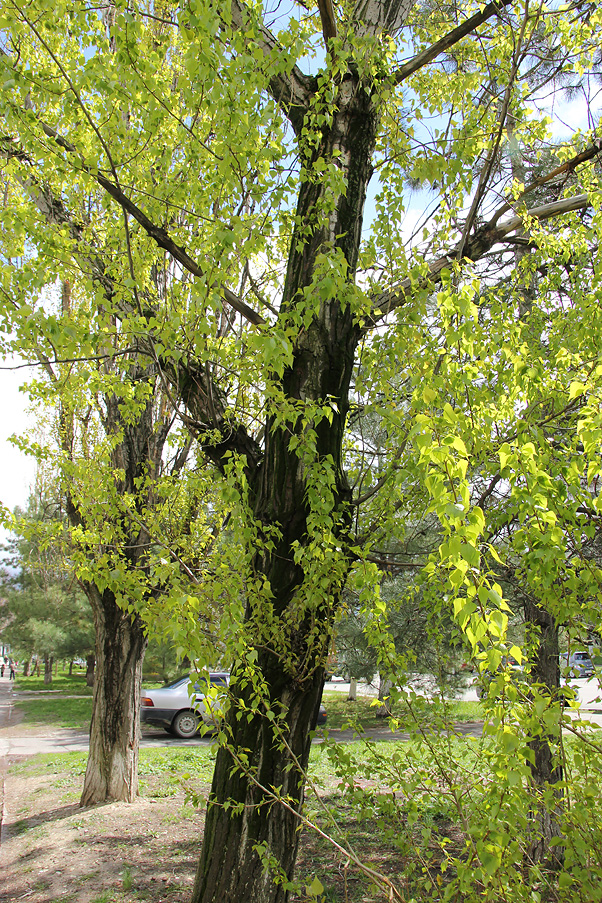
<point>185,724</point>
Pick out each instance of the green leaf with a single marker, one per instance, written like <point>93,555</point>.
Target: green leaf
<point>315,889</point>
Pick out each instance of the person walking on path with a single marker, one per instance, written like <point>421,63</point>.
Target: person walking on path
<point>12,670</point>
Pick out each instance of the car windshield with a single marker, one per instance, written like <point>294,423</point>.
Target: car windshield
<point>215,680</point>
<point>176,683</point>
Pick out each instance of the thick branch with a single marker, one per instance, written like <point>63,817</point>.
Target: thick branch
<point>292,90</point>
<point>329,23</point>
<point>481,242</point>
<point>452,37</point>
<point>375,17</point>
<point>217,431</point>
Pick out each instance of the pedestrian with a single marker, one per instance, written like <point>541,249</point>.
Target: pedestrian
<point>2,667</point>
<point>11,675</point>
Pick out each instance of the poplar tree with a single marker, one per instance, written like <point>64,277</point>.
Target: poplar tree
<point>209,166</point>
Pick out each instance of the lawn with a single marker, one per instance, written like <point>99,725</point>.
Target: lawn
<point>67,703</point>
<point>62,683</point>
<point>56,712</point>
<point>363,712</point>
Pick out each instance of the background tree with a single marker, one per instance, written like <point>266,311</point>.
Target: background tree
<point>119,480</point>
<point>47,617</point>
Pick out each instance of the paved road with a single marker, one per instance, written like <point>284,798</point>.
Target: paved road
<point>15,741</point>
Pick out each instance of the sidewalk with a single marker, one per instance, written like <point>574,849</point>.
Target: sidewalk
<point>7,712</point>
<point>8,717</point>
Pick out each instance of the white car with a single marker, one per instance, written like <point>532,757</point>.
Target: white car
<point>179,709</point>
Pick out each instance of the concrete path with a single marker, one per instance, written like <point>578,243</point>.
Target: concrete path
<point>7,695</point>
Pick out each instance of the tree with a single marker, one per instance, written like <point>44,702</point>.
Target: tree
<point>113,474</point>
<point>46,614</point>
<point>189,137</point>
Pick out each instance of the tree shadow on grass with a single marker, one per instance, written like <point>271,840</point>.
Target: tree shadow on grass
<point>21,825</point>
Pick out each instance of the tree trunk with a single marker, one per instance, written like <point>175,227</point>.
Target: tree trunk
<point>241,817</point>
<point>384,690</point>
<point>546,773</point>
<point>47,669</point>
<point>112,769</point>
<point>70,667</point>
<point>26,667</point>
<point>352,695</point>
<point>90,670</point>
<point>231,868</point>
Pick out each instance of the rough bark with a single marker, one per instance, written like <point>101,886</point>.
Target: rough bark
<point>545,770</point>
<point>90,670</point>
<point>47,669</point>
<point>241,816</point>
<point>112,768</point>
<point>384,690</point>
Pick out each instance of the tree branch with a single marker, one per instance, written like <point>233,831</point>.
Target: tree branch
<point>564,169</point>
<point>159,235</point>
<point>292,90</point>
<point>329,23</point>
<point>193,385</point>
<point>452,37</point>
<point>481,242</point>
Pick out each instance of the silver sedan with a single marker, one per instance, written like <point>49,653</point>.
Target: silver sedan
<point>179,707</point>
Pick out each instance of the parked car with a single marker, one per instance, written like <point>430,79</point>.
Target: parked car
<point>180,713</point>
<point>174,708</point>
<point>578,663</point>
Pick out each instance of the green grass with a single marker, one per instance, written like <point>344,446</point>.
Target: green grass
<point>56,712</point>
<point>62,683</point>
<point>341,712</point>
<point>196,762</point>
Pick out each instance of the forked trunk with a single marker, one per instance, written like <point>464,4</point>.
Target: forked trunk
<point>112,769</point>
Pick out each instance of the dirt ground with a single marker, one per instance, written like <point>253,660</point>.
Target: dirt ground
<point>145,852</point>
<point>115,853</point>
